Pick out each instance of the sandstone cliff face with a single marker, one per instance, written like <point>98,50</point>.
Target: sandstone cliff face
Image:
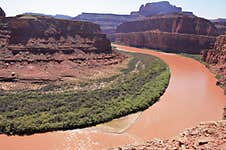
<point>44,32</point>
<point>157,8</point>
<point>175,23</point>
<point>217,59</point>
<point>178,33</point>
<point>169,42</point>
<point>39,49</point>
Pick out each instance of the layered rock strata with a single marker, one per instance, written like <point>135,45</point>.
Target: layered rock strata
<point>42,49</point>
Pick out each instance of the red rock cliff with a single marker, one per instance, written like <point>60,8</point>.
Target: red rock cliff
<point>178,33</point>
<point>35,48</point>
<point>169,42</point>
<point>175,23</point>
<point>217,59</point>
<point>44,32</point>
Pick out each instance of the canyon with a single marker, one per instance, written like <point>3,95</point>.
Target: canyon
<point>109,22</point>
<point>41,49</point>
<point>191,87</point>
<point>38,50</point>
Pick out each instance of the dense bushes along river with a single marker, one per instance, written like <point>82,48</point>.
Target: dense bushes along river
<point>31,112</point>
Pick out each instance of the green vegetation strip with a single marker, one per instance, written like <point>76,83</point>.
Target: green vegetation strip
<point>32,112</point>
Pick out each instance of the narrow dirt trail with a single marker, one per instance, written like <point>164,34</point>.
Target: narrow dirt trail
<point>192,97</point>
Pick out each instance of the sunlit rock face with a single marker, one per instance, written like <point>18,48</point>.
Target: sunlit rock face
<point>178,33</point>
<point>216,57</point>
<point>174,23</point>
<point>42,49</point>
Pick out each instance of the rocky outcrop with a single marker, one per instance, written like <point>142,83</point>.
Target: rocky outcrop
<point>157,8</point>
<point>2,13</point>
<point>217,59</point>
<point>174,23</point>
<point>169,42</point>
<point>38,48</point>
<point>209,135</point>
<point>108,22</point>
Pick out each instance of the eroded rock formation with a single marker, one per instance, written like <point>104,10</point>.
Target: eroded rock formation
<point>157,8</point>
<point>174,23</point>
<point>42,49</point>
<point>169,42</point>
<point>172,33</point>
<point>217,59</point>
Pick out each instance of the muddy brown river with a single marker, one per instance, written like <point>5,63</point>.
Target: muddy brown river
<point>192,97</point>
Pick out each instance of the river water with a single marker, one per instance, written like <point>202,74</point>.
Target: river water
<point>192,97</point>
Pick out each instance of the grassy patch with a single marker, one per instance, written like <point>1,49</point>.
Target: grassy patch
<point>31,112</point>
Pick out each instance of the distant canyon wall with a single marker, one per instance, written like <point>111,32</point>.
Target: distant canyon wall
<point>174,23</point>
<point>169,42</point>
<point>178,33</point>
<point>109,22</point>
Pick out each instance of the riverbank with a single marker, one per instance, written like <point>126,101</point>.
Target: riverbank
<point>208,135</point>
<point>139,86</point>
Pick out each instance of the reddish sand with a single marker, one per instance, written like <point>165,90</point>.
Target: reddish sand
<point>192,97</point>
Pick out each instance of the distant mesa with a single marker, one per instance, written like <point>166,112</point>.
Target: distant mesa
<point>157,8</point>
<point>109,22</point>
<point>2,13</point>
